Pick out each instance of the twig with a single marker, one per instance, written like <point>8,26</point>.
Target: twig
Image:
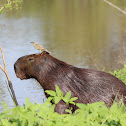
<point>9,81</point>
<point>1,8</point>
<point>124,12</point>
<point>9,90</point>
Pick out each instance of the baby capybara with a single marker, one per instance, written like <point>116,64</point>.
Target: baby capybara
<point>88,85</point>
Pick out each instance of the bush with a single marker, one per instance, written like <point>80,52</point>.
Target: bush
<point>95,114</point>
<point>121,74</point>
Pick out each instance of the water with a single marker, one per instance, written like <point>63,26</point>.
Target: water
<point>84,33</point>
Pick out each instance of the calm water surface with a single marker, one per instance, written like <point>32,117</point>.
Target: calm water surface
<point>84,33</point>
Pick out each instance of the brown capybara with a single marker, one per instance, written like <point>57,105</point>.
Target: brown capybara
<point>88,85</point>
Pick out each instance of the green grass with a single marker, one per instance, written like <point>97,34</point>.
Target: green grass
<point>96,114</point>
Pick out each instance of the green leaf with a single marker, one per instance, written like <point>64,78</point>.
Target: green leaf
<point>73,99</point>
<point>67,97</point>
<point>68,111</point>
<point>58,91</point>
<point>57,99</point>
<point>52,108</point>
<point>72,103</point>
<point>50,92</point>
<point>5,106</point>
<point>81,106</point>
<point>49,99</point>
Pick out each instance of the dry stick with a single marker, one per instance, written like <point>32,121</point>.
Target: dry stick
<point>1,8</point>
<point>124,12</point>
<point>9,81</point>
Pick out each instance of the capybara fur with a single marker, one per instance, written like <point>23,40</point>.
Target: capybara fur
<point>88,85</point>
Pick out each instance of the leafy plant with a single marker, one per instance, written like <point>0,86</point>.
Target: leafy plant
<point>58,95</point>
<point>10,5</point>
<point>95,114</point>
<point>121,74</point>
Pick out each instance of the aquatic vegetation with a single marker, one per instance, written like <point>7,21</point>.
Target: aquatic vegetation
<point>10,5</point>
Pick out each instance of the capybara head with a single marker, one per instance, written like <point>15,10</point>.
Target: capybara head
<point>29,66</point>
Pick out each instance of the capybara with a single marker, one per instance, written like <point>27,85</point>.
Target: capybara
<point>88,85</point>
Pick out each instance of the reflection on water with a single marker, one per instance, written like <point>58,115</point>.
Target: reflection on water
<point>84,33</point>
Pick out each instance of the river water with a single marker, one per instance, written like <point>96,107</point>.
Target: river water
<point>84,33</point>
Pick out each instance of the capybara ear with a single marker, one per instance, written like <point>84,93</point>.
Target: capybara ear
<point>44,52</point>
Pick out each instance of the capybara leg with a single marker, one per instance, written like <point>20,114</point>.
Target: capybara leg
<point>60,107</point>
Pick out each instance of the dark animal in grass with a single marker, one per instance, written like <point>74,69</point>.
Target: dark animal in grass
<point>88,85</point>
